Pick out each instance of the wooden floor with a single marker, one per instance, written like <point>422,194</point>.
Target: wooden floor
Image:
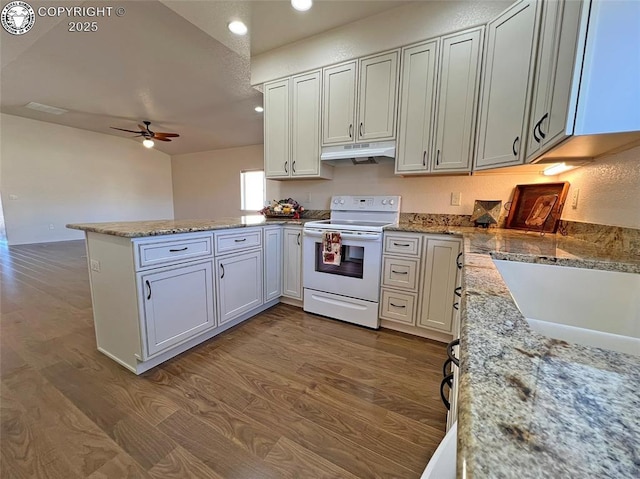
<point>286,394</point>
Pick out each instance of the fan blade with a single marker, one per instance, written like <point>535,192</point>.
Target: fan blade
<point>122,129</point>
<point>161,139</point>
<point>142,127</point>
<point>168,135</point>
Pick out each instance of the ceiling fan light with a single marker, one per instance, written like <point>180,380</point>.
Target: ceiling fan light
<point>301,5</point>
<point>238,27</point>
<point>148,143</point>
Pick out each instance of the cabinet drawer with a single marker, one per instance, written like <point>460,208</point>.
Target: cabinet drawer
<point>400,273</point>
<point>399,307</point>
<point>166,252</point>
<point>408,245</point>
<point>238,240</point>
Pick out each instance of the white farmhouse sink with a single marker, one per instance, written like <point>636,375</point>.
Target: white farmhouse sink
<point>585,306</point>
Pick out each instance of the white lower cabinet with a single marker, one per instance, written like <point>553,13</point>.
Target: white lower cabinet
<point>239,278</point>
<point>419,285</point>
<point>177,304</point>
<point>292,263</point>
<point>272,262</point>
<point>438,284</point>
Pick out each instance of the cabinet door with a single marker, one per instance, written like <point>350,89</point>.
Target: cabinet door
<point>292,277</point>
<point>377,97</point>
<point>177,304</point>
<point>506,86</point>
<point>439,284</point>
<point>457,99</point>
<point>239,284</point>
<point>555,65</point>
<point>272,263</point>
<point>305,127</point>
<point>276,129</point>
<point>417,107</point>
<point>338,103</point>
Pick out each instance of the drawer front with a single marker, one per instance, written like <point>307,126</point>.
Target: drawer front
<point>162,253</point>
<point>400,273</point>
<point>238,240</point>
<point>398,307</point>
<point>408,245</point>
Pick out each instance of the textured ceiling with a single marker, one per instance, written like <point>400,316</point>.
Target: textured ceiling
<point>172,62</point>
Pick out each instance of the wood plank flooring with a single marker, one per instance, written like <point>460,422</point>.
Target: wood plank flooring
<point>285,395</point>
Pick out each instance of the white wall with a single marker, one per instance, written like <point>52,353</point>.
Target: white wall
<point>390,29</point>
<point>609,191</point>
<point>65,175</point>
<point>207,184</point>
<point>424,194</point>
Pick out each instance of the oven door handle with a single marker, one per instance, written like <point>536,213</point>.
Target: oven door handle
<point>346,236</point>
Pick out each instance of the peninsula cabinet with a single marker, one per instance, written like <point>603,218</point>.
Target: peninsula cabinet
<point>177,304</point>
<point>272,262</point>
<point>371,85</point>
<point>292,262</point>
<point>439,93</point>
<point>292,128</point>
<point>418,284</point>
<point>506,86</point>
<point>239,272</point>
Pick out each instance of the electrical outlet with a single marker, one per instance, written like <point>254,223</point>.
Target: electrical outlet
<point>456,199</point>
<point>95,265</point>
<point>574,199</point>
<point>51,226</point>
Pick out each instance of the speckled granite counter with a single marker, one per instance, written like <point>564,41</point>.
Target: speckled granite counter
<point>530,406</point>
<point>138,229</point>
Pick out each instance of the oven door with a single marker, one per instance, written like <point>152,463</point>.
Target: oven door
<point>358,275</point>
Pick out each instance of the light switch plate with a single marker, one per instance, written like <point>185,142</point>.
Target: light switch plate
<point>95,265</point>
<point>574,199</point>
<point>456,199</point>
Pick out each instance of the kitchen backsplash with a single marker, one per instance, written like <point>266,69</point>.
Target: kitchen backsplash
<point>628,239</point>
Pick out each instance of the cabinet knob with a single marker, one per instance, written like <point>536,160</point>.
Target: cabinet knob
<point>424,158</point>
<point>351,130</point>
<point>286,170</point>
<point>361,125</point>
<point>513,146</point>
<point>148,288</point>
<point>542,133</point>
<point>222,268</point>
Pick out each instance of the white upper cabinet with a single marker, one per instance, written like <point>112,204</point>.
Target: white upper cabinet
<point>417,104</point>
<point>377,97</point>
<point>555,65</point>
<point>457,99</point>
<point>339,104</point>
<point>372,83</point>
<point>305,127</point>
<point>507,80</point>
<point>276,129</point>
<point>292,128</point>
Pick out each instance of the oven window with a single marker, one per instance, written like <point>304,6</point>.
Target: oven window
<point>351,265</point>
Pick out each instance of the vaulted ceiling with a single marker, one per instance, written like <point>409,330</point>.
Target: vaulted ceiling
<point>172,62</point>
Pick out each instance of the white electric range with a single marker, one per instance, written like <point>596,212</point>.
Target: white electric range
<point>349,292</point>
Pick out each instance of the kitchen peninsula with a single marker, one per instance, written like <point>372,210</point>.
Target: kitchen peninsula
<point>529,405</point>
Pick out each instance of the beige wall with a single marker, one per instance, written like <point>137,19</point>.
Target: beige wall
<point>65,175</point>
<point>425,194</point>
<point>207,184</point>
<point>609,191</point>
<point>390,29</point>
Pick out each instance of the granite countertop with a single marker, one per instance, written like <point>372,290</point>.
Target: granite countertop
<point>530,406</point>
<point>137,229</point>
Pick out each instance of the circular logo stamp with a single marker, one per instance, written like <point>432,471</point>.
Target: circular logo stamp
<point>18,17</point>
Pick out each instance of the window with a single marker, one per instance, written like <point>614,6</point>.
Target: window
<point>252,190</point>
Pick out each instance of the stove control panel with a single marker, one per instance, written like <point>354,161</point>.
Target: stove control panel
<point>366,203</point>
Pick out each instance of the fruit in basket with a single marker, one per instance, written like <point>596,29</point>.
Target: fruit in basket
<point>284,207</point>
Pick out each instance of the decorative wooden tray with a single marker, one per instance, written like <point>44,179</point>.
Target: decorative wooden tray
<point>525,199</point>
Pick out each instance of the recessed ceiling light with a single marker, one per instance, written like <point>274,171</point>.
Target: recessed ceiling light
<point>259,109</point>
<point>238,27</point>
<point>301,5</point>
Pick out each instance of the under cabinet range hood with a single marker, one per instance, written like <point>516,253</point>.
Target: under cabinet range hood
<point>359,153</point>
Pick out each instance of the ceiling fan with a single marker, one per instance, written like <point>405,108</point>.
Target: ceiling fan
<point>148,134</point>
